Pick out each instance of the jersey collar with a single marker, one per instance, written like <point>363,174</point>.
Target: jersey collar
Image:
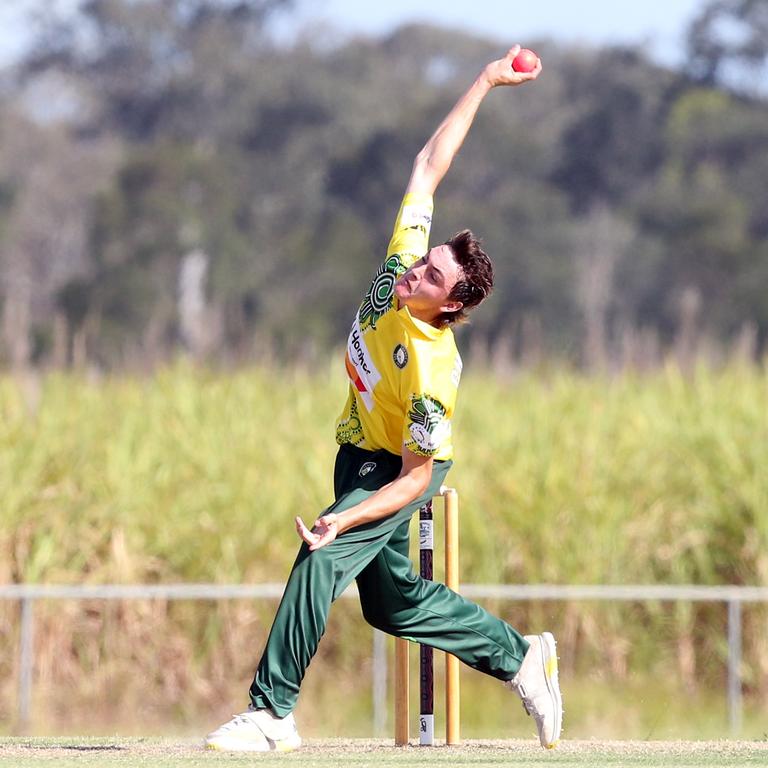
<point>427,330</point>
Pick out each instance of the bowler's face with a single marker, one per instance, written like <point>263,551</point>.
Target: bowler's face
<point>425,287</point>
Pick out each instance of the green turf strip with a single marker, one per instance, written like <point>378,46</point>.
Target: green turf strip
<point>63,753</point>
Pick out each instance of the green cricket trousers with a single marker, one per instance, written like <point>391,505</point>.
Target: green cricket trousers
<point>392,596</point>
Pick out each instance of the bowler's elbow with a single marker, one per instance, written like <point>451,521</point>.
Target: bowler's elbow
<point>424,176</point>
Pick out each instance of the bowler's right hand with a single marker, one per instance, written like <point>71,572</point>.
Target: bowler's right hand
<point>500,72</point>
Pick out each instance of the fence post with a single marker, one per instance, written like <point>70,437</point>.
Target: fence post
<point>26,660</point>
<point>734,665</point>
<point>379,682</point>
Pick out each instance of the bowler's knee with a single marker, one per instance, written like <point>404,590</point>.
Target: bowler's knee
<point>316,567</point>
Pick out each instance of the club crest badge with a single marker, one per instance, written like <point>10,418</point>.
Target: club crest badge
<point>400,356</point>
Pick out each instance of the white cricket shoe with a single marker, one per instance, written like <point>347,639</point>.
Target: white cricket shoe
<point>257,730</point>
<point>536,684</point>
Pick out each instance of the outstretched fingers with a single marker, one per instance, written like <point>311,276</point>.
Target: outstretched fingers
<point>324,531</point>
<point>327,529</point>
<point>308,536</point>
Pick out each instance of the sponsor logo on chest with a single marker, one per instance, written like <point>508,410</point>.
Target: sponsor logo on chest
<point>359,351</point>
<point>360,367</point>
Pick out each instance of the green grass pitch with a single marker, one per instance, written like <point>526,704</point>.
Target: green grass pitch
<point>174,753</point>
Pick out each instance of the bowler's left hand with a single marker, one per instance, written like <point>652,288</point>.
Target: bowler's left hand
<point>324,530</point>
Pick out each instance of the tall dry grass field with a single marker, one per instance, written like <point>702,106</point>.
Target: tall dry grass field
<point>190,476</point>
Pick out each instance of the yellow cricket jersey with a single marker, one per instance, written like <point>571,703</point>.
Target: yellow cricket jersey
<point>404,373</point>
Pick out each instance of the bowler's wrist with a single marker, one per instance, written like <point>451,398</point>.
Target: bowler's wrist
<point>484,81</point>
<point>343,521</point>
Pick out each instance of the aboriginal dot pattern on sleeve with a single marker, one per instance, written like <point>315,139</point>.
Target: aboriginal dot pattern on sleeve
<point>378,300</point>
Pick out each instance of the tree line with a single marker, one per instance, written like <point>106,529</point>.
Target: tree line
<point>173,177</point>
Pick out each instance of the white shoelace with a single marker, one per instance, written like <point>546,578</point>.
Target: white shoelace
<point>236,720</point>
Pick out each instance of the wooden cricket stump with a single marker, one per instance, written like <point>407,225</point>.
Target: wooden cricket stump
<point>426,654</point>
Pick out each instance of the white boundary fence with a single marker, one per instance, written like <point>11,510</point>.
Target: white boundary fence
<point>734,597</point>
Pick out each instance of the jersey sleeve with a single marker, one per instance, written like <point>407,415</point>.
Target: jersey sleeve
<point>427,425</point>
<point>410,241</point>
<point>410,238</point>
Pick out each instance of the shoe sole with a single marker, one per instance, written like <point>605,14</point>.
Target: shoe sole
<point>548,649</point>
<point>284,745</point>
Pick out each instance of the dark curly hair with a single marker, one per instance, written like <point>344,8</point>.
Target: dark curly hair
<point>476,282</point>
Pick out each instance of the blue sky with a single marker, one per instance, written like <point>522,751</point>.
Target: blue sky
<point>659,24</point>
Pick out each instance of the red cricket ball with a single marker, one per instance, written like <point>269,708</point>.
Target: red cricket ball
<point>525,61</point>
